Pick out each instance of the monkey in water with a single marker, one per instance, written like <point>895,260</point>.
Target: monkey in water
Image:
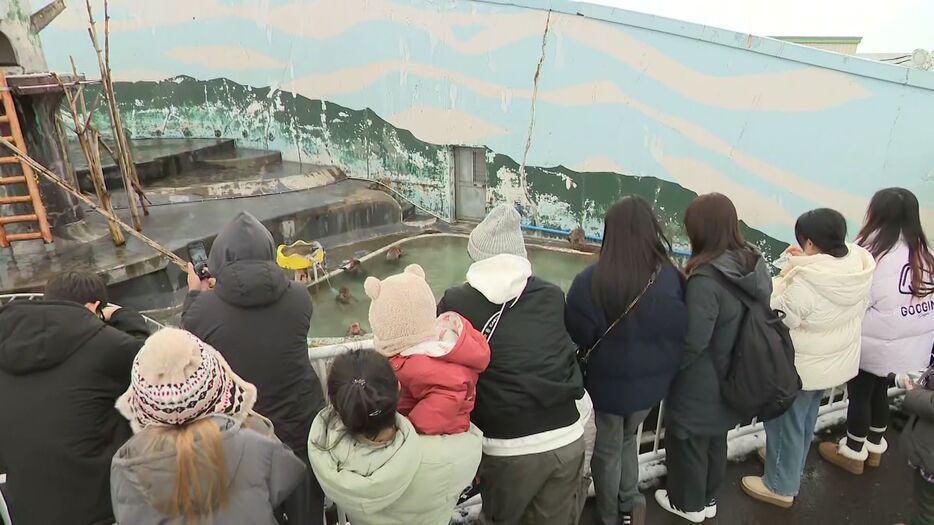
<point>344,296</point>
<point>394,253</point>
<point>355,330</point>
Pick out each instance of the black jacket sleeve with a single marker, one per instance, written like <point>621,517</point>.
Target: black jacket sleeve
<point>702,306</point>
<point>920,402</point>
<point>130,322</point>
<point>578,314</point>
<point>442,305</point>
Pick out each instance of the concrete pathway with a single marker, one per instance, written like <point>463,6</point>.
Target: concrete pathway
<point>828,495</point>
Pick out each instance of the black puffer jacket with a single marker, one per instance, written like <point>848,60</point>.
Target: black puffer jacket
<point>533,379</point>
<point>633,366</point>
<point>258,320</point>
<point>61,372</point>
<point>694,405</point>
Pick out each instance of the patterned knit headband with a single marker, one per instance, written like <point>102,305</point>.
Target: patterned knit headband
<point>210,389</point>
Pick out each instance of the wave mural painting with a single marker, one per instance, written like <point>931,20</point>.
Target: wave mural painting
<point>597,102</point>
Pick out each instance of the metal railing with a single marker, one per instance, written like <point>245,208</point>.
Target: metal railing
<point>651,433</point>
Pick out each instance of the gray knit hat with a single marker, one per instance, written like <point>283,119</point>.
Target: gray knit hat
<point>500,232</point>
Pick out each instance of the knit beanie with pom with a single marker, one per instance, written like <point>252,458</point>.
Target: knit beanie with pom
<point>177,378</point>
<point>402,312</point>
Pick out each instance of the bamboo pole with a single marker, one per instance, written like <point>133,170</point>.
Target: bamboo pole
<point>124,156</point>
<point>55,179</point>
<point>143,199</point>
<point>88,139</point>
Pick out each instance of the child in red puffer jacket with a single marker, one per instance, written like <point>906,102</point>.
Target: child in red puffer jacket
<point>436,359</point>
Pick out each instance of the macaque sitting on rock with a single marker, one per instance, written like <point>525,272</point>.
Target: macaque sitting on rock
<point>578,241</point>
<point>394,253</point>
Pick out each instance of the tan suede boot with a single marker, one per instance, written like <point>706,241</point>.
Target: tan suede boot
<point>875,452</point>
<point>843,456</point>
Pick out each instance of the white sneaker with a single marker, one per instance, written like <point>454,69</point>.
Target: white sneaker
<point>661,496</point>
<point>710,511</point>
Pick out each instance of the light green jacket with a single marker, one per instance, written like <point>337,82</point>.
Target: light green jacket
<point>411,480</point>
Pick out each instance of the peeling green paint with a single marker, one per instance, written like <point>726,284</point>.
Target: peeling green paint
<point>365,145</point>
<point>314,131</point>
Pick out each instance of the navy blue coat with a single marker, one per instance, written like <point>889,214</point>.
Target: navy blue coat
<point>636,362</point>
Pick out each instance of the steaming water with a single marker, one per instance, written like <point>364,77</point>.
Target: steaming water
<point>445,262</point>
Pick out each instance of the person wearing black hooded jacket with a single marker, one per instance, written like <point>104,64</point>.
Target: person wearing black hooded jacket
<point>258,320</point>
<point>64,361</point>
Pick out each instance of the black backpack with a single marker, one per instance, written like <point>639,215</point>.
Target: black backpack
<point>761,380</point>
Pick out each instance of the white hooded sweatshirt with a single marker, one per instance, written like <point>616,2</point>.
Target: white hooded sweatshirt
<point>824,299</point>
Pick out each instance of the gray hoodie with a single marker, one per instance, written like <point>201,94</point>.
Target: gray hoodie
<point>694,406</point>
<point>261,473</point>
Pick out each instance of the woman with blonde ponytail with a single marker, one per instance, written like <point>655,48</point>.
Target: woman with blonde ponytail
<point>200,456</point>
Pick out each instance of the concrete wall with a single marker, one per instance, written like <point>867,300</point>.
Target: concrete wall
<point>622,102</point>
<point>15,26</point>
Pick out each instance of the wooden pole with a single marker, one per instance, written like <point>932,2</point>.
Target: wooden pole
<point>87,138</point>
<point>124,156</point>
<point>143,199</point>
<point>55,179</point>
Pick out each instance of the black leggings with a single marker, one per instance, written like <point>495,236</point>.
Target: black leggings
<point>868,412</point>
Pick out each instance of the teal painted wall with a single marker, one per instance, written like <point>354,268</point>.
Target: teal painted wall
<point>624,102</point>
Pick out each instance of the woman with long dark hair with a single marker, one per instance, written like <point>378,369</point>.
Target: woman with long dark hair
<point>898,328</point>
<point>370,460</point>
<point>630,304</point>
<point>697,417</point>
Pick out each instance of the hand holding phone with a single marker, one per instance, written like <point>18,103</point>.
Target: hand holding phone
<point>199,259</point>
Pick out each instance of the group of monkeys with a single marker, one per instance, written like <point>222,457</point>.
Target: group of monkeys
<point>577,239</point>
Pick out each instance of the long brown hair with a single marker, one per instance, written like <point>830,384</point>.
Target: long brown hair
<point>894,214</point>
<point>200,472</point>
<point>634,245</point>
<point>713,228</point>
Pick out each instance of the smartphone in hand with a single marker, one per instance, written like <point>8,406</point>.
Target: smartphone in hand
<point>199,259</point>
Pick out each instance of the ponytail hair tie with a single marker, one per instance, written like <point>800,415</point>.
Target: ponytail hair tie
<point>358,381</point>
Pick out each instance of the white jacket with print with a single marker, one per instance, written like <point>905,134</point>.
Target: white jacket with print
<point>824,299</point>
<point>898,330</point>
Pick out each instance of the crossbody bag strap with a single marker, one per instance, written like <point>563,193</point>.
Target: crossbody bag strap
<point>629,308</point>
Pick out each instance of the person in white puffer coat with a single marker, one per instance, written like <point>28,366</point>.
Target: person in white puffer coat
<point>823,291</point>
<point>898,329</point>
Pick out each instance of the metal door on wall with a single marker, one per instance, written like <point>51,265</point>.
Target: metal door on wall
<point>470,183</point>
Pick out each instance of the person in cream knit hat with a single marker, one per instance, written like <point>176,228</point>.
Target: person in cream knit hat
<point>437,359</point>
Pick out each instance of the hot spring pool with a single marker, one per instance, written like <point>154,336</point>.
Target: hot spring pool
<point>444,258</point>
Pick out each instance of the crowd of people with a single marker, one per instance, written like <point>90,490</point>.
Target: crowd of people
<point>493,386</point>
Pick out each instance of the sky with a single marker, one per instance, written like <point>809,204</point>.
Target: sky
<point>885,25</point>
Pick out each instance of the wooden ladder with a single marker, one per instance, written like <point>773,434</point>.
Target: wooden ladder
<point>10,122</point>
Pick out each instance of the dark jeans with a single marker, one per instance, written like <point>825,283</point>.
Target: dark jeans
<point>615,465</point>
<point>539,489</point>
<point>696,467</point>
<point>924,501</point>
<point>868,410</point>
